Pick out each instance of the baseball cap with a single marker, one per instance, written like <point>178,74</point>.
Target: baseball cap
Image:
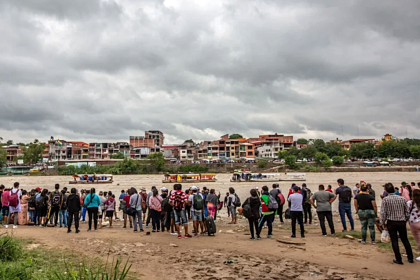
<point>404,183</point>
<point>194,188</point>
<point>38,189</point>
<point>304,185</point>
<point>163,189</point>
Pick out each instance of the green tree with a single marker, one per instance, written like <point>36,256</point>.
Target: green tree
<point>9,142</point>
<point>283,154</point>
<point>320,157</point>
<point>319,144</point>
<point>302,141</point>
<point>290,161</point>
<point>363,151</point>
<point>332,149</point>
<point>294,152</point>
<point>235,136</point>
<point>327,163</point>
<point>3,157</point>
<point>262,163</point>
<point>415,151</point>
<point>394,148</point>
<point>189,141</point>
<point>308,152</point>
<point>118,155</point>
<point>337,160</point>
<point>411,142</point>
<point>344,153</point>
<point>33,152</point>
<point>157,160</point>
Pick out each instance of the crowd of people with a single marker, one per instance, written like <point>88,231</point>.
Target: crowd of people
<point>173,210</point>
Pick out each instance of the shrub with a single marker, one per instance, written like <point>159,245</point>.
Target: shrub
<point>290,162</point>
<point>262,163</point>
<point>10,249</point>
<point>337,160</point>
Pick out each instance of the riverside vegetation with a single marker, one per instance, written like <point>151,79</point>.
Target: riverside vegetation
<point>21,261</point>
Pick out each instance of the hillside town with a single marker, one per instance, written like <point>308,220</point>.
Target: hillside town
<point>227,148</point>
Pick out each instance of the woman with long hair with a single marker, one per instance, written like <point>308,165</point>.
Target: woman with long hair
<point>92,202</point>
<point>212,202</point>
<point>155,205</point>
<point>110,206</point>
<point>23,215</point>
<point>414,208</point>
<point>253,202</point>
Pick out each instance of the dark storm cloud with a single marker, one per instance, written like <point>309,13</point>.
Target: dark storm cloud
<point>105,70</point>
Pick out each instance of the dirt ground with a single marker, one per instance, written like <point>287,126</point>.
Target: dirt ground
<point>230,254</point>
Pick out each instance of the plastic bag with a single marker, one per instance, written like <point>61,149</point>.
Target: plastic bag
<point>385,238</point>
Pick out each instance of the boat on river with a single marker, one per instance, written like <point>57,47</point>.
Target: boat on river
<point>92,179</point>
<point>190,178</point>
<point>246,176</point>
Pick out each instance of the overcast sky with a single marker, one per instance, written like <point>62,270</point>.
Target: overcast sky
<point>104,70</point>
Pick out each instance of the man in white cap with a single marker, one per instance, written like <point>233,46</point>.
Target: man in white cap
<point>197,205</point>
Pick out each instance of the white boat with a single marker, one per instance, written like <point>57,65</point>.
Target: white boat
<point>265,177</point>
<point>92,179</point>
<point>294,177</point>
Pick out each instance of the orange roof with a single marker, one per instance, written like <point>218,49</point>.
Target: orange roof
<point>360,140</point>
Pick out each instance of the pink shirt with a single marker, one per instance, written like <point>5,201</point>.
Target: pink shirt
<point>155,203</point>
<point>5,198</point>
<point>405,193</point>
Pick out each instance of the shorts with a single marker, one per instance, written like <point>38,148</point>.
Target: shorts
<point>197,215</point>
<point>41,212</point>
<point>109,214</point>
<point>179,216</point>
<point>173,215</point>
<point>5,210</point>
<point>232,211</point>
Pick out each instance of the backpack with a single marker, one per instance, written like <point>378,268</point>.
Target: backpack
<point>287,214</point>
<point>272,203</point>
<point>166,206</point>
<point>237,202</point>
<point>56,199</point>
<point>32,202</point>
<point>246,209</point>
<point>40,203</point>
<point>346,195</point>
<point>14,198</point>
<point>281,198</point>
<point>179,201</point>
<point>308,196</point>
<point>198,202</point>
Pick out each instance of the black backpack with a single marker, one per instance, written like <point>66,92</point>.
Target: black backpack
<point>346,195</point>
<point>166,206</point>
<point>237,202</point>
<point>40,203</point>
<point>32,202</point>
<point>246,209</point>
<point>56,199</point>
<point>179,201</point>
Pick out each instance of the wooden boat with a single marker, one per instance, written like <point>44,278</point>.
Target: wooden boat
<point>189,178</point>
<point>90,179</point>
<point>242,175</point>
<point>265,177</point>
<point>294,177</point>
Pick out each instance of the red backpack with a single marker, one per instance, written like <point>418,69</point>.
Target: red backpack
<point>14,198</point>
<point>282,200</point>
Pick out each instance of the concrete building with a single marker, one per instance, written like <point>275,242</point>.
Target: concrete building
<point>106,150</point>
<point>12,153</point>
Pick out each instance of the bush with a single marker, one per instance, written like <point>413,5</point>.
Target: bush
<point>10,249</point>
<point>337,160</point>
<point>262,163</point>
<point>290,162</point>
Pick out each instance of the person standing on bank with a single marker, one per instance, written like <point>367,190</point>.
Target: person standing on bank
<point>296,209</point>
<point>365,206</point>
<point>307,209</point>
<point>92,202</point>
<point>324,199</point>
<point>73,209</point>
<point>394,217</point>
<point>135,202</point>
<point>14,205</point>
<point>344,204</point>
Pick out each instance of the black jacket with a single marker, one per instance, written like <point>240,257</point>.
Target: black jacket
<point>73,203</point>
<point>255,206</point>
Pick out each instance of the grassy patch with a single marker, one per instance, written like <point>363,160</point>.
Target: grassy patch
<point>40,263</point>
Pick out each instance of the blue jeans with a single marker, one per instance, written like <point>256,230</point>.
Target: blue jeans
<point>63,218</point>
<point>32,216</point>
<point>180,217</point>
<point>345,209</point>
<point>83,214</point>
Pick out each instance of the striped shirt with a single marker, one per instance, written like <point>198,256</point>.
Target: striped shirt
<point>394,208</point>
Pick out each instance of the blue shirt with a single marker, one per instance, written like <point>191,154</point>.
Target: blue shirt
<point>122,195</point>
<point>96,201</point>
